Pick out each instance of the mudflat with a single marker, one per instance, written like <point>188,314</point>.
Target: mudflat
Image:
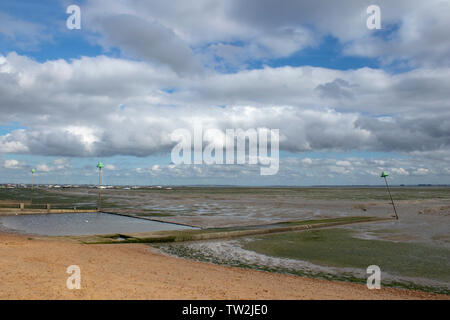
<point>35,268</point>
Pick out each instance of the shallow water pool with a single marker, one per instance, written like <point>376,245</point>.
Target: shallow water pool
<point>64,224</point>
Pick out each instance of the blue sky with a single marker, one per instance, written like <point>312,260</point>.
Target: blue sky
<point>348,101</point>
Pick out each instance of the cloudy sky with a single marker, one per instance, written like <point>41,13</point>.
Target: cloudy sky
<point>349,102</point>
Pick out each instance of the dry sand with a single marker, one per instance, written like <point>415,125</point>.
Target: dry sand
<point>32,268</point>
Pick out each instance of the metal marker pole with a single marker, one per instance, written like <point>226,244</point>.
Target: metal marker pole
<point>392,201</point>
<point>100,190</point>
<point>99,204</point>
<point>32,182</point>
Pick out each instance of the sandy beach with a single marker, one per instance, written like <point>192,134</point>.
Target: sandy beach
<point>35,268</point>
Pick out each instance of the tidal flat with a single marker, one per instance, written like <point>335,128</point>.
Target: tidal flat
<point>412,252</point>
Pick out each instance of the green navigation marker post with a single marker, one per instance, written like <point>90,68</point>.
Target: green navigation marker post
<point>99,204</point>
<point>32,183</point>
<point>384,175</point>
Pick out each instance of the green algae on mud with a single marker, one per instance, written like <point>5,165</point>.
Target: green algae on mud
<point>183,251</point>
<point>338,248</point>
<point>335,247</point>
<point>224,232</point>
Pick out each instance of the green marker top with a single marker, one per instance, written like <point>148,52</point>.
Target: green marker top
<point>33,171</point>
<point>384,174</point>
<point>100,165</point>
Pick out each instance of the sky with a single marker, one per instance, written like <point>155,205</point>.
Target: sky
<point>348,101</point>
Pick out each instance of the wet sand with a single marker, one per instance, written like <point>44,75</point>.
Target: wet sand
<point>35,268</point>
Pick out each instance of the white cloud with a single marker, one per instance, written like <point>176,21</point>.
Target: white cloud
<point>12,164</point>
<point>74,111</point>
<point>343,163</point>
<point>110,167</point>
<point>62,164</point>
<point>103,106</point>
<point>238,31</point>
<point>420,40</point>
<point>43,167</point>
<point>400,171</point>
<point>296,171</point>
<point>421,171</point>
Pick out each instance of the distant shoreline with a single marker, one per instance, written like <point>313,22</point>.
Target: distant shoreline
<point>81,186</point>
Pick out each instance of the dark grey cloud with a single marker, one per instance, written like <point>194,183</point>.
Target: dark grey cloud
<point>148,40</point>
<point>407,135</point>
<point>337,89</point>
